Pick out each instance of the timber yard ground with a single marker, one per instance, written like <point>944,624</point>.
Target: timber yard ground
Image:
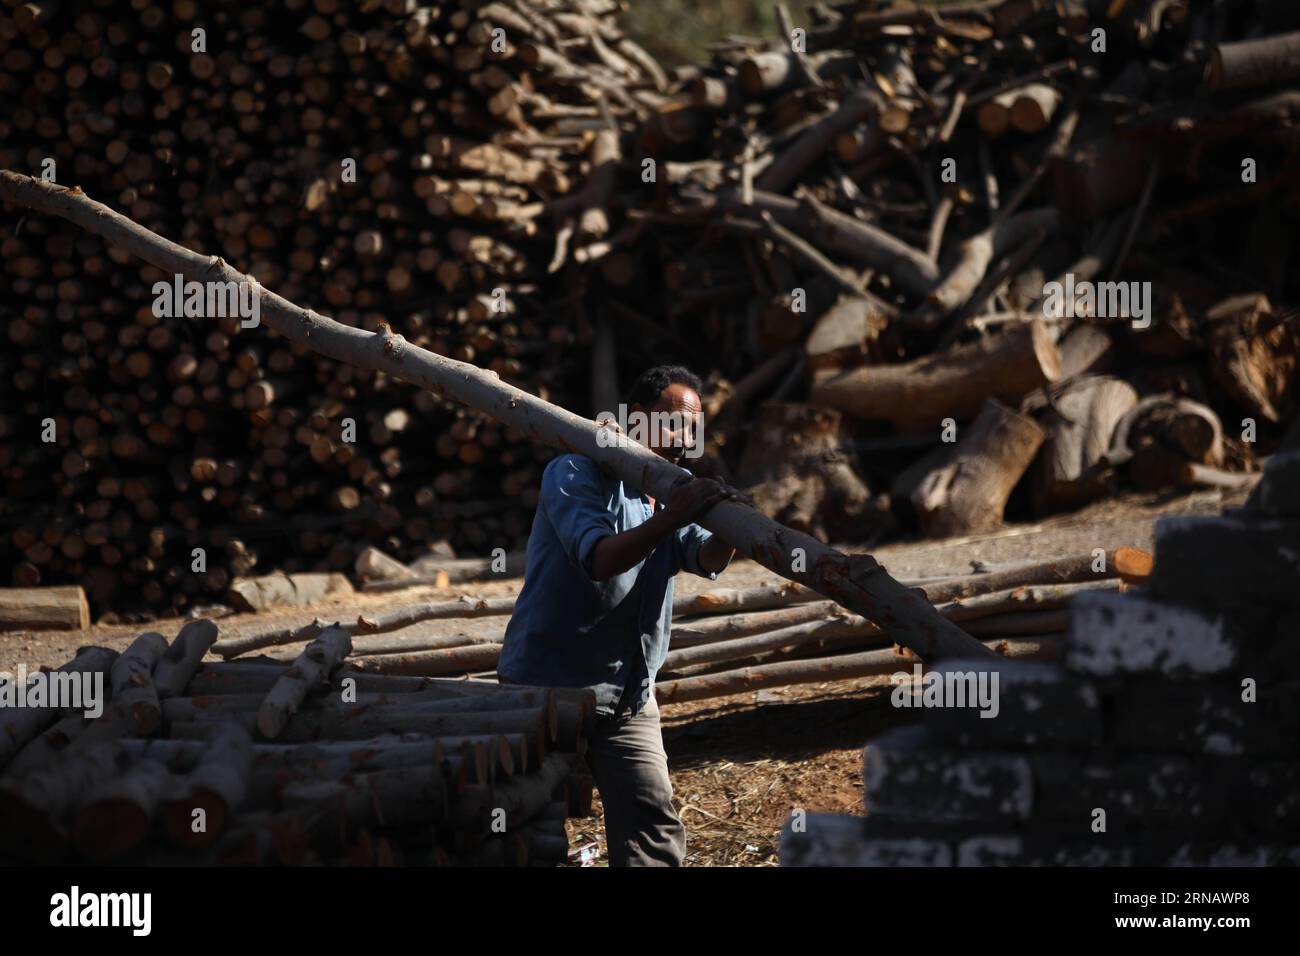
<point>740,764</point>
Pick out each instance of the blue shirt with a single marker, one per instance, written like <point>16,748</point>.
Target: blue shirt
<point>568,630</point>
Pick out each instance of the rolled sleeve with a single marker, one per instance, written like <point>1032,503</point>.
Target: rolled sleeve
<point>576,507</point>
<point>689,541</point>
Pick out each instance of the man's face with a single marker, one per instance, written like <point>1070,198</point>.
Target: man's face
<point>674,421</point>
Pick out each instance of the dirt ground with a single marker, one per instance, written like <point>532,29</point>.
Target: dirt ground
<point>739,764</point>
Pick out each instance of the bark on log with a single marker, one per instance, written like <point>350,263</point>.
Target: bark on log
<point>727,600</point>
<point>708,630</point>
<point>795,472</point>
<point>858,581</point>
<point>816,141</point>
<point>362,722</point>
<point>1267,61</point>
<point>133,687</point>
<point>44,609</point>
<point>369,623</point>
<point>116,816</point>
<point>978,252</point>
<point>285,590</point>
<point>968,491</point>
<point>1255,356</point>
<point>918,395</point>
<point>518,799</point>
<point>845,336</point>
<point>769,640</point>
<point>32,807</point>
<point>1131,564</point>
<point>441,573</point>
<point>312,668</point>
<point>450,660</point>
<point>812,671</point>
<point>374,565</point>
<point>390,798</point>
<point>1036,597</point>
<point>20,725</point>
<point>182,659</point>
<point>834,232</point>
<point>1072,470</point>
<point>428,639</point>
<point>198,805</point>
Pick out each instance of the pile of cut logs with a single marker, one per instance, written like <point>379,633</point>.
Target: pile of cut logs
<point>424,165</point>
<point>863,225</point>
<point>1137,748</point>
<point>261,762</point>
<point>728,641</point>
<point>854,231</point>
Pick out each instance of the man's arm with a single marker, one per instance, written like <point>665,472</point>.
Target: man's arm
<point>615,553</point>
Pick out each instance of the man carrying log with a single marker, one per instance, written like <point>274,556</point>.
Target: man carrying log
<point>596,608</point>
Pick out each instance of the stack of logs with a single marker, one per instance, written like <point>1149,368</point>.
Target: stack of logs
<point>860,229</point>
<point>728,641</point>
<point>1166,736</point>
<point>260,763</point>
<point>424,165</point>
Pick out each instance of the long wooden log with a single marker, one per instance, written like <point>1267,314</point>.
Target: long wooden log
<point>768,640</point>
<point>723,628</point>
<point>364,722</point>
<point>856,581</point>
<point>1130,564</point>
<point>716,600</point>
<point>367,623</point>
<point>809,671</point>
<point>400,644</point>
<point>451,660</point>
<point>402,795</point>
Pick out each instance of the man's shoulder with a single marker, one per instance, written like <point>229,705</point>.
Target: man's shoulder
<point>573,467</point>
<point>571,463</point>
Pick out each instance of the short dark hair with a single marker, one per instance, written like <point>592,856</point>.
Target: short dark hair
<point>650,384</point>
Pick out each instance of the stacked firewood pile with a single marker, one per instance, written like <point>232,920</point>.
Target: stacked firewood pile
<point>260,762</point>
<point>861,228</point>
<point>1167,736</point>
<point>425,165</point>
<point>729,641</point>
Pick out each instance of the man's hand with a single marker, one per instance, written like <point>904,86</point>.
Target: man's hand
<point>689,500</point>
<point>692,498</point>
